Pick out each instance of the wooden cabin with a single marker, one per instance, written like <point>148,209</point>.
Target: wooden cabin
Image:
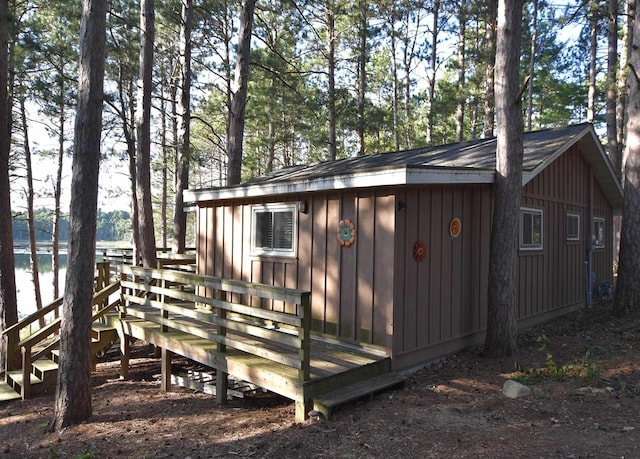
<point>394,247</point>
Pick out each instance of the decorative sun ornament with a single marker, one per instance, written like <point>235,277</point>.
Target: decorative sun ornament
<point>419,251</point>
<point>346,233</point>
<point>455,227</point>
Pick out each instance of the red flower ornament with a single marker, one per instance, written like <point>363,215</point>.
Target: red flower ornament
<point>419,251</point>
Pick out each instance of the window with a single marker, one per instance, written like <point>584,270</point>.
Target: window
<point>530,229</point>
<point>573,227</point>
<point>273,228</point>
<point>598,232</point>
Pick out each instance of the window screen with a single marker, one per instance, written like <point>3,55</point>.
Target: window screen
<point>273,230</point>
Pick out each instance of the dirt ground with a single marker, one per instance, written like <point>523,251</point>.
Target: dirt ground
<point>584,371</point>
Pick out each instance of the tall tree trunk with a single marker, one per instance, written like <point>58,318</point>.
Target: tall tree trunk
<point>490,54</point>
<point>57,191</point>
<point>184,136</point>
<point>31,219</point>
<point>431,88</point>
<point>462,20</point>
<point>235,134</point>
<point>593,51</point>
<point>621,106</point>
<point>8,300</point>
<point>363,30</point>
<point>627,294</point>
<point>502,329</point>
<point>612,82</point>
<point>143,124</point>
<point>165,158</point>
<point>73,389</point>
<point>532,62</point>
<point>394,77</point>
<point>331,68</point>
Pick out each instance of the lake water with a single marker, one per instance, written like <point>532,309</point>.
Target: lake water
<point>24,280</point>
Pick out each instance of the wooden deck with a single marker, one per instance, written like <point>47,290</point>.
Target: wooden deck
<point>250,332</point>
<point>253,332</point>
<point>333,364</point>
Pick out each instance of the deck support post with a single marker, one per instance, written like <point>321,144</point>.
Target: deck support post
<point>25,389</point>
<point>222,384</point>
<point>125,352</point>
<point>165,365</point>
<point>302,409</point>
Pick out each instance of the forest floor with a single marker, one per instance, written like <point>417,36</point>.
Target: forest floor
<point>584,370</point>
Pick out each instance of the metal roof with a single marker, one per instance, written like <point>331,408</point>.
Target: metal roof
<point>465,162</point>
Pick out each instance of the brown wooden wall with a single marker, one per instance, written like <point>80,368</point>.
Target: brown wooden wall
<point>442,300</point>
<point>556,276</point>
<point>375,292</point>
<point>351,287</point>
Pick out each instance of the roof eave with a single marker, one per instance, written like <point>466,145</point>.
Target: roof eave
<point>383,177</point>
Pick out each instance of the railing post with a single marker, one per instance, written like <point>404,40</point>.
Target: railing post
<point>122,309</point>
<point>164,313</point>
<point>302,407</point>
<point>304,352</point>
<point>222,378</point>
<point>25,389</point>
<point>12,350</point>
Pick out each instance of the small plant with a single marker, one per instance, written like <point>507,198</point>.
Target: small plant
<point>581,368</point>
<point>85,455</point>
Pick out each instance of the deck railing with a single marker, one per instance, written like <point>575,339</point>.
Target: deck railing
<point>225,311</point>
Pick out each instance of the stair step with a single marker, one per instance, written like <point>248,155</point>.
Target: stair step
<point>329,400</point>
<point>43,365</point>
<point>16,377</point>
<point>7,393</point>
<point>55,355</point>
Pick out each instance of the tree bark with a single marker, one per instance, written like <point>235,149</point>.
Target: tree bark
<point>502,328</point>
<point>31,219</point>
<point>143,124</point>
<point>490,53</point>
<point>532,62</point>
<point>363,27</point>
<point>8,301</point>
<point>627,294</point>
<point>462,20</point>
<point>431,87</point>
<point>612,81</point>
<point>184,136</point>
<point>57,192</point>
<point>73,389</point>
<point>331,68</point>
<point>593,51</point>
<point>235,135</point>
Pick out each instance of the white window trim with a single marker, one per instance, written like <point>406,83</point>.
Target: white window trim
<point>567,236</point>
<point>274,208</point>
<point>521,226</point>
<point>595,244</point>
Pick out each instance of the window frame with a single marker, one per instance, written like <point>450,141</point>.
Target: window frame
<point>572,237</point>
<point>531,246</point>
<point>273,208</point>
<point>596,244</point>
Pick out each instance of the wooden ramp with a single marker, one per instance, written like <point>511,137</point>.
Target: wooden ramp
<point>233,327</point>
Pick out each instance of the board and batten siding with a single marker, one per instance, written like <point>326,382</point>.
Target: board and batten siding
<point>351,287</point>
<point>440,302</point>
<point>553,280</point>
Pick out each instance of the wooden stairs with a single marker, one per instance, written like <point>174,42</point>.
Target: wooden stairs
<point>44,370</point>
<point>36,339</point>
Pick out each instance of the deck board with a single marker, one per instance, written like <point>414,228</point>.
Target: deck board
<point>328,358</point>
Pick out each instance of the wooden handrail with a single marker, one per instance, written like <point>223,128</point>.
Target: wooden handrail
<point>221,312</point>
<point>26,345</point>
